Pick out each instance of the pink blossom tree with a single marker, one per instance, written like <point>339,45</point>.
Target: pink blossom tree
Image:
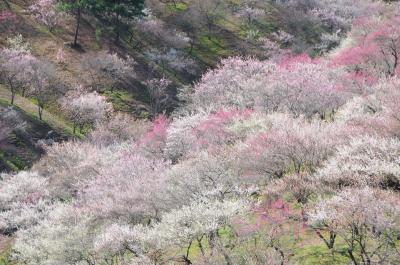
<point>297,86</point>
<point>162,34</point>
<point>158,93</point>
<point>43,83</point>
<point>47,13</point>
<point>376,51</point>
<point>106,69</point>
<point>367,221</point>
<point>153,142</point>
<point>128,190</point>
<point>14,69</point>
<point>250,13</point>
<point>86,108</point>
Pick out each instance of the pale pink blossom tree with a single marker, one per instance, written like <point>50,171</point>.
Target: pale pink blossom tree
<point>120,127</point>
<point>300,88</point>
<point>162,34</point>
<point>15,65</point>
<point>60,56</point>
<point>43,83</point>
<point>23,200</point>
<point>158,93</point>
<point>127,190</point>
<point>86,108</point>
<point>108,69</point>
<point>366,219</point>
<point>250,13</point>
<point>366,161</point>
<point>47,13</point>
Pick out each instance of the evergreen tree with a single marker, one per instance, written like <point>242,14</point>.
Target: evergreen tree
<point>118,11</point>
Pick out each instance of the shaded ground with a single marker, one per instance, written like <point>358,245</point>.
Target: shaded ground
<point>19,149</point>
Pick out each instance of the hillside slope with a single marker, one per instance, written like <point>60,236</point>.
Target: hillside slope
<point>155,44</point>
<point>272,157</point>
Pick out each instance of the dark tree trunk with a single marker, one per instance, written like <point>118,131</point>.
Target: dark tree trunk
<point>12,97</point>
<point>10,83</point>
<point>40,111</point>
<point>78,23</point>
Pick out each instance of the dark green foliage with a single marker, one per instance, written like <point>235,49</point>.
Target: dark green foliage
<point>118,11</point>
<point>77,7</point>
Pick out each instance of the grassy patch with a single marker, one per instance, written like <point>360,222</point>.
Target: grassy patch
<point>214,45</point>
<point>210,50</point>
<point>178,7</point>
<point>29,108</point>
<point>4,259</point>
<point>121,100</point>
<point>8,163</point>
<point>320,254</point>
<point>14,161</point>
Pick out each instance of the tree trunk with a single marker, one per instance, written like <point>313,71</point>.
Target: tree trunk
<point>329,243</point>
<point>78,22</point>
<point>201,245</point>
<point>186,256</point>
<point>117,28</point>
<point>12,97</point>
<point>12,92</point>
<point>281,254</point>
<point>353,259</point>
<point>40,111</point>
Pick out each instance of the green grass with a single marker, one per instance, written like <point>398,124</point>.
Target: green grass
<point>121,100</point>
<point>210,49</point>
<point>4,159</point>
<point>4,259</point>
<point>179,7</point>
<point>320,254</point>
<point>13,161</point>
<point>28,107</point>
<point>214,45</point>
<point>24,152</point>
<point>5,253</point>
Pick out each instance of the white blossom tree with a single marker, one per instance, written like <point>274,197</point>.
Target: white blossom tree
<point>367,160</point>
<point>23,201</point>
<point>47,13</point>
<point>366,219</point>
<point>108,69</point>
<point>86,108</point>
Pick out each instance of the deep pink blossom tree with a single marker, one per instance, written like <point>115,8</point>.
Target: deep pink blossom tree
<point>154,140</point>
<point>377,50</point>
